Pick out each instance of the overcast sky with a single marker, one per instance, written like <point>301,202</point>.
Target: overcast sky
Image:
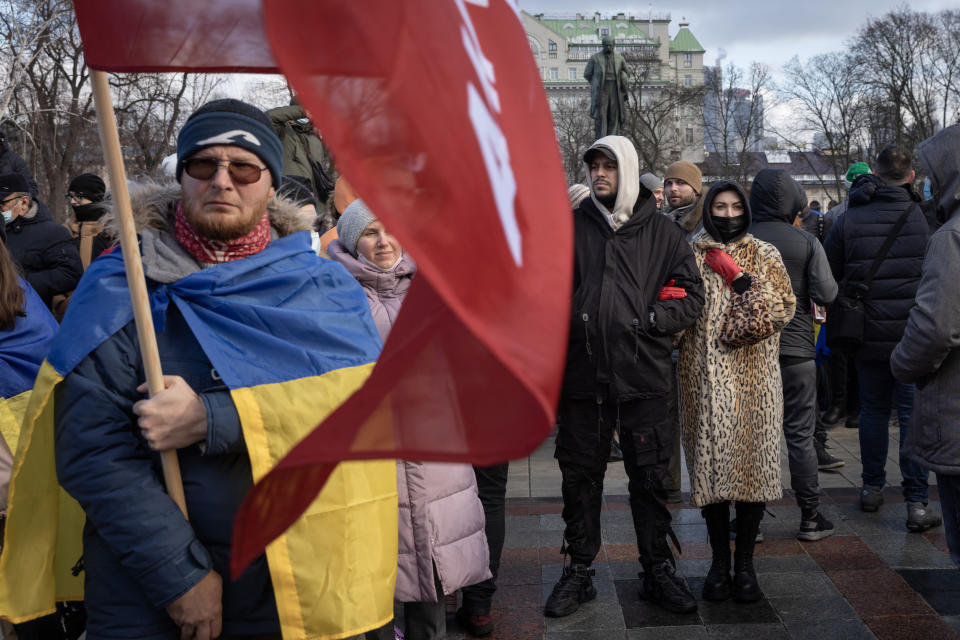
<point>770,31</point>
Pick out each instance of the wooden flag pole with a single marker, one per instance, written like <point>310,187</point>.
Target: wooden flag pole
<point>110,141</point>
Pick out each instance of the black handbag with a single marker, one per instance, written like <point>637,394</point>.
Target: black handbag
<point>847,316</point>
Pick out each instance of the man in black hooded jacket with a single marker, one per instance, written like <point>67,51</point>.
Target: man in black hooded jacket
<point>775,199</point>
<point>636,284</point>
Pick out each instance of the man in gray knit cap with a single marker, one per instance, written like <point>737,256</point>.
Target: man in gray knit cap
<point>655,186</point>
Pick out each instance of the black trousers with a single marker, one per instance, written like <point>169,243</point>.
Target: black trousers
<point>799,421</point>
<point>843,381</point>
<point>583,441</point>
<point>492,487</point>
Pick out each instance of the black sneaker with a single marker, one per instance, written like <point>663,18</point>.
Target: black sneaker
<point>825,460</point>
<point>815,528</point>
<point>663,587</point>
<point>920,517</point>
<point>871,498</point>
<point>574,587</point>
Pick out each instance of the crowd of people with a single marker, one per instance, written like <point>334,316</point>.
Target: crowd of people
<point>780,321</point>
<point>700,330</point>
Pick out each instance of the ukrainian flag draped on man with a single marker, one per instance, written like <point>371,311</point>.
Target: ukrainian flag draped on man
<point>291,337</point>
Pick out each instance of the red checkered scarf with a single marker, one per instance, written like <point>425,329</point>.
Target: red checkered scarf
<point>208,251</point>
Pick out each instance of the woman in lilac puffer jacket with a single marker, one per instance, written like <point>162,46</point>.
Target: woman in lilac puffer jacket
<point>442,542</point>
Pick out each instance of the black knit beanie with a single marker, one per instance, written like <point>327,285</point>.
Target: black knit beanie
<point>88,185</point>
<point>235,123</point>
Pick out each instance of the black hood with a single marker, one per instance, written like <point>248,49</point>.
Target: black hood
<point>774,195</point>
<point>869,187</point>
<point>724,185</point>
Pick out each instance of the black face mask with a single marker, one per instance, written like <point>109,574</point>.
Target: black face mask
<point>87,212</point>
<point>730,228</point>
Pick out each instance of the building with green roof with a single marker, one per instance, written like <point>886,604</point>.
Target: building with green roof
<point>562,44</point>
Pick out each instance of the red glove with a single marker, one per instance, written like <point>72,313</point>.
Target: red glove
<point>721,262</point>
<point>671,292</point>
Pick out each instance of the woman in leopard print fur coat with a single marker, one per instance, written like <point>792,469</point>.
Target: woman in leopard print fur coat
<point>731,398</point>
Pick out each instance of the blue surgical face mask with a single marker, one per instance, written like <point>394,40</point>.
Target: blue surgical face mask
<point>8,216</point>
<point>927,194</point>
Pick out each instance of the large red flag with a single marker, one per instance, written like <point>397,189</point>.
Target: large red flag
<point>436,113</point>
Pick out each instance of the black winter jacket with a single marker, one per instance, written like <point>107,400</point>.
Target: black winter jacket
<point>856,239</point>
<point>775,199</point>
<point>620,333</point>
<point>46,252</point>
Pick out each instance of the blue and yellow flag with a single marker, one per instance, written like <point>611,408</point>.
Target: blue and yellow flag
<point>22,351</point>
<point>292,338</point>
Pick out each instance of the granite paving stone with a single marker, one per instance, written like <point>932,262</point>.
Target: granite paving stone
<point>872,579</point>
<point>688,632</point>
<point>776,585</point>
<point>916,627</point>
<point>602,613</point>
<point>745,632</point>
<point>814,629</point>
<point>797,608</point>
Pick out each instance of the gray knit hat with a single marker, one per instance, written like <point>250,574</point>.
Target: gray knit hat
<point>651,182</point>
<point>354,220</point>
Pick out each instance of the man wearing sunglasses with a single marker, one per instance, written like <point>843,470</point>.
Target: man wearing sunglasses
<point>42,248</point>
<point>222,258</point>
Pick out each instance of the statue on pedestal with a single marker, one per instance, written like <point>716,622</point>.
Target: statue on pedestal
<point>607,74</point>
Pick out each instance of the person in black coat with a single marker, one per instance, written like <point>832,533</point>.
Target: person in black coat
<point>636,284</point>
<point>876,203</point>
<point>775,199</point>
<point>43,248</point>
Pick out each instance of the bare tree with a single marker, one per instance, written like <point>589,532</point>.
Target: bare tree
<point>49,106</point>
<point>151,108</point>
<point>52,106</point>
<point>827,103</point>
<point>654,113</point>
<point>22,25</point>
<point>733,115</point>
<point>267,92</point>
<point>945,64</point>
<point>894,56</point>
<point>574,128</point>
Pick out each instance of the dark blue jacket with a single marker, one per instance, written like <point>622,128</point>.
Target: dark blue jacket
<point>145,553</point>
<point>856,239</point>
<point>46,253</point>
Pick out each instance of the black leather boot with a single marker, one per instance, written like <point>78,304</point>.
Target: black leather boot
<point>718,585</point>
<point>745,586</point>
